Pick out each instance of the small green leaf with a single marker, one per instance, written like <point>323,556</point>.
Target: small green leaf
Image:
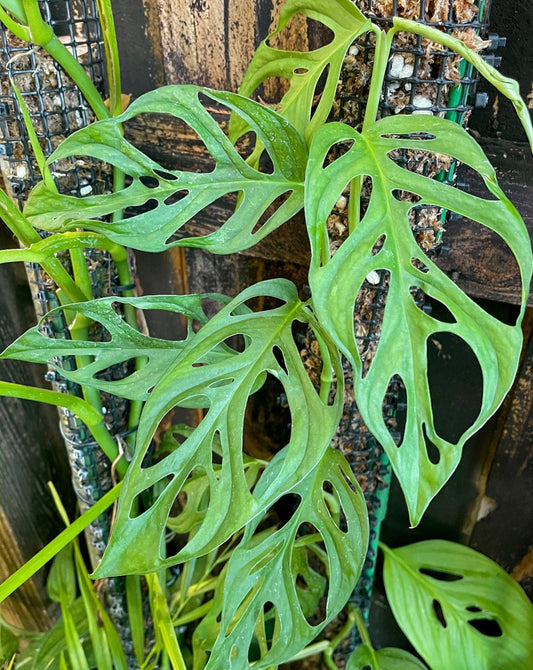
<point>402,349</point>
<point>389,658</point>
<point>304,69</point>
<point>223,387</point>
<point>154,230</point>
<point>266,572</point>
<point>61,581</point>
<point>458,608</point>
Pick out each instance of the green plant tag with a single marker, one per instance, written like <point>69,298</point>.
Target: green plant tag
<point>458,608</point>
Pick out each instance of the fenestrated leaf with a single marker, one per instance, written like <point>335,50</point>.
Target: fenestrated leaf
<point>223,388</point>
<point>152,230</point>
<point>304,69</point>
<point>458,608</point>
<point>388,658</point>
<point>124,344</point>
<point>264,570</point>
<point>402,350</point>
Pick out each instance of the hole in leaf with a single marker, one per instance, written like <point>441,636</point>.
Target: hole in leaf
<point>245,144</point>
<point>166,324</point>
<point>150,205</point>
<point>426,225</point>
<point>149,181</point>
<point>338,149</point>
<point>316,567</point>
<point>468,177</point>
<point>405,196</point>
<point>236,342</point>
<point>258,304</point>
<point>501,273</point>
<point>432,306</point>
<point>168,176</point>
<point>440,575</point>
<point>267,214</point>
<point>210,306</point>
<point>474,608</point>
<point>408,136</point>
<point>280,358</point>
<point>394,409</point>
<point>213,216</point>
<point>419,265</point>
<point>196,159</point>
<point>369,310</point>
<point>378,245</point>
<point>146,499</point>
<point>176,197</point>
<point>488,627</point>
<point>300,70</point>
<point>267,420</point>
<point>456,384</point>
<point>319,88</point>
<point>285,507</point>
<point>432,450</point>
<point>437,609</point>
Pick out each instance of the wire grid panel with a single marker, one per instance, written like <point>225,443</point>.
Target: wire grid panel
<point>57,108</point>
<point>55,104</point>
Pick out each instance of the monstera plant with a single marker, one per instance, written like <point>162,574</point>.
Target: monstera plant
<point>269,588</point>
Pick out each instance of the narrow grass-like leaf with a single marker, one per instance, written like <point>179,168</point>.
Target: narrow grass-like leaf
<point>263,574</point>
<point>305,69</point>
<point>153,230</point>
<point>402,350</point>
<point>164,630</point>
<point>458,608</point>
<point>223,387</point>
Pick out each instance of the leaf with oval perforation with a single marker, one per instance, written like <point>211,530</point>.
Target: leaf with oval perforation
<point>388,658</point>
<point>125,343</point>
<point>335,282</point>
<point>305,69</point>
<point>263,572</point>
<point>151,183</point>
<point>223,388</point>
<point>458,608</point>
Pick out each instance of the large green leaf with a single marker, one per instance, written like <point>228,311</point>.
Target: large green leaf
<point>304,69</point>
<point>152,230</point>
<point>124,343</point>
<point>458,608</point>
<point>223,388</point>
<point>335,282</point>
<point>267,574</point>
<point>389,658</point>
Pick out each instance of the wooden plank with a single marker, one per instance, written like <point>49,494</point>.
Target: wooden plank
<point>31,453</point>
<point>479,261</point>
<point>503,530</point>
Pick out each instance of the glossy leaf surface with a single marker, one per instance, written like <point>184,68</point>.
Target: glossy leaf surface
<point>458,608</point>
<point>223,388</point>
<point>124,343</point>
<point>402,350</point>
<point>304,69</point>
<point>158,187</point>
<point>266,573</point>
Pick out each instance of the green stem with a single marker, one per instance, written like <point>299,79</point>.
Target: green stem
<point>107,23</point>
<point>40,559</point>
<point>344,631</point>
